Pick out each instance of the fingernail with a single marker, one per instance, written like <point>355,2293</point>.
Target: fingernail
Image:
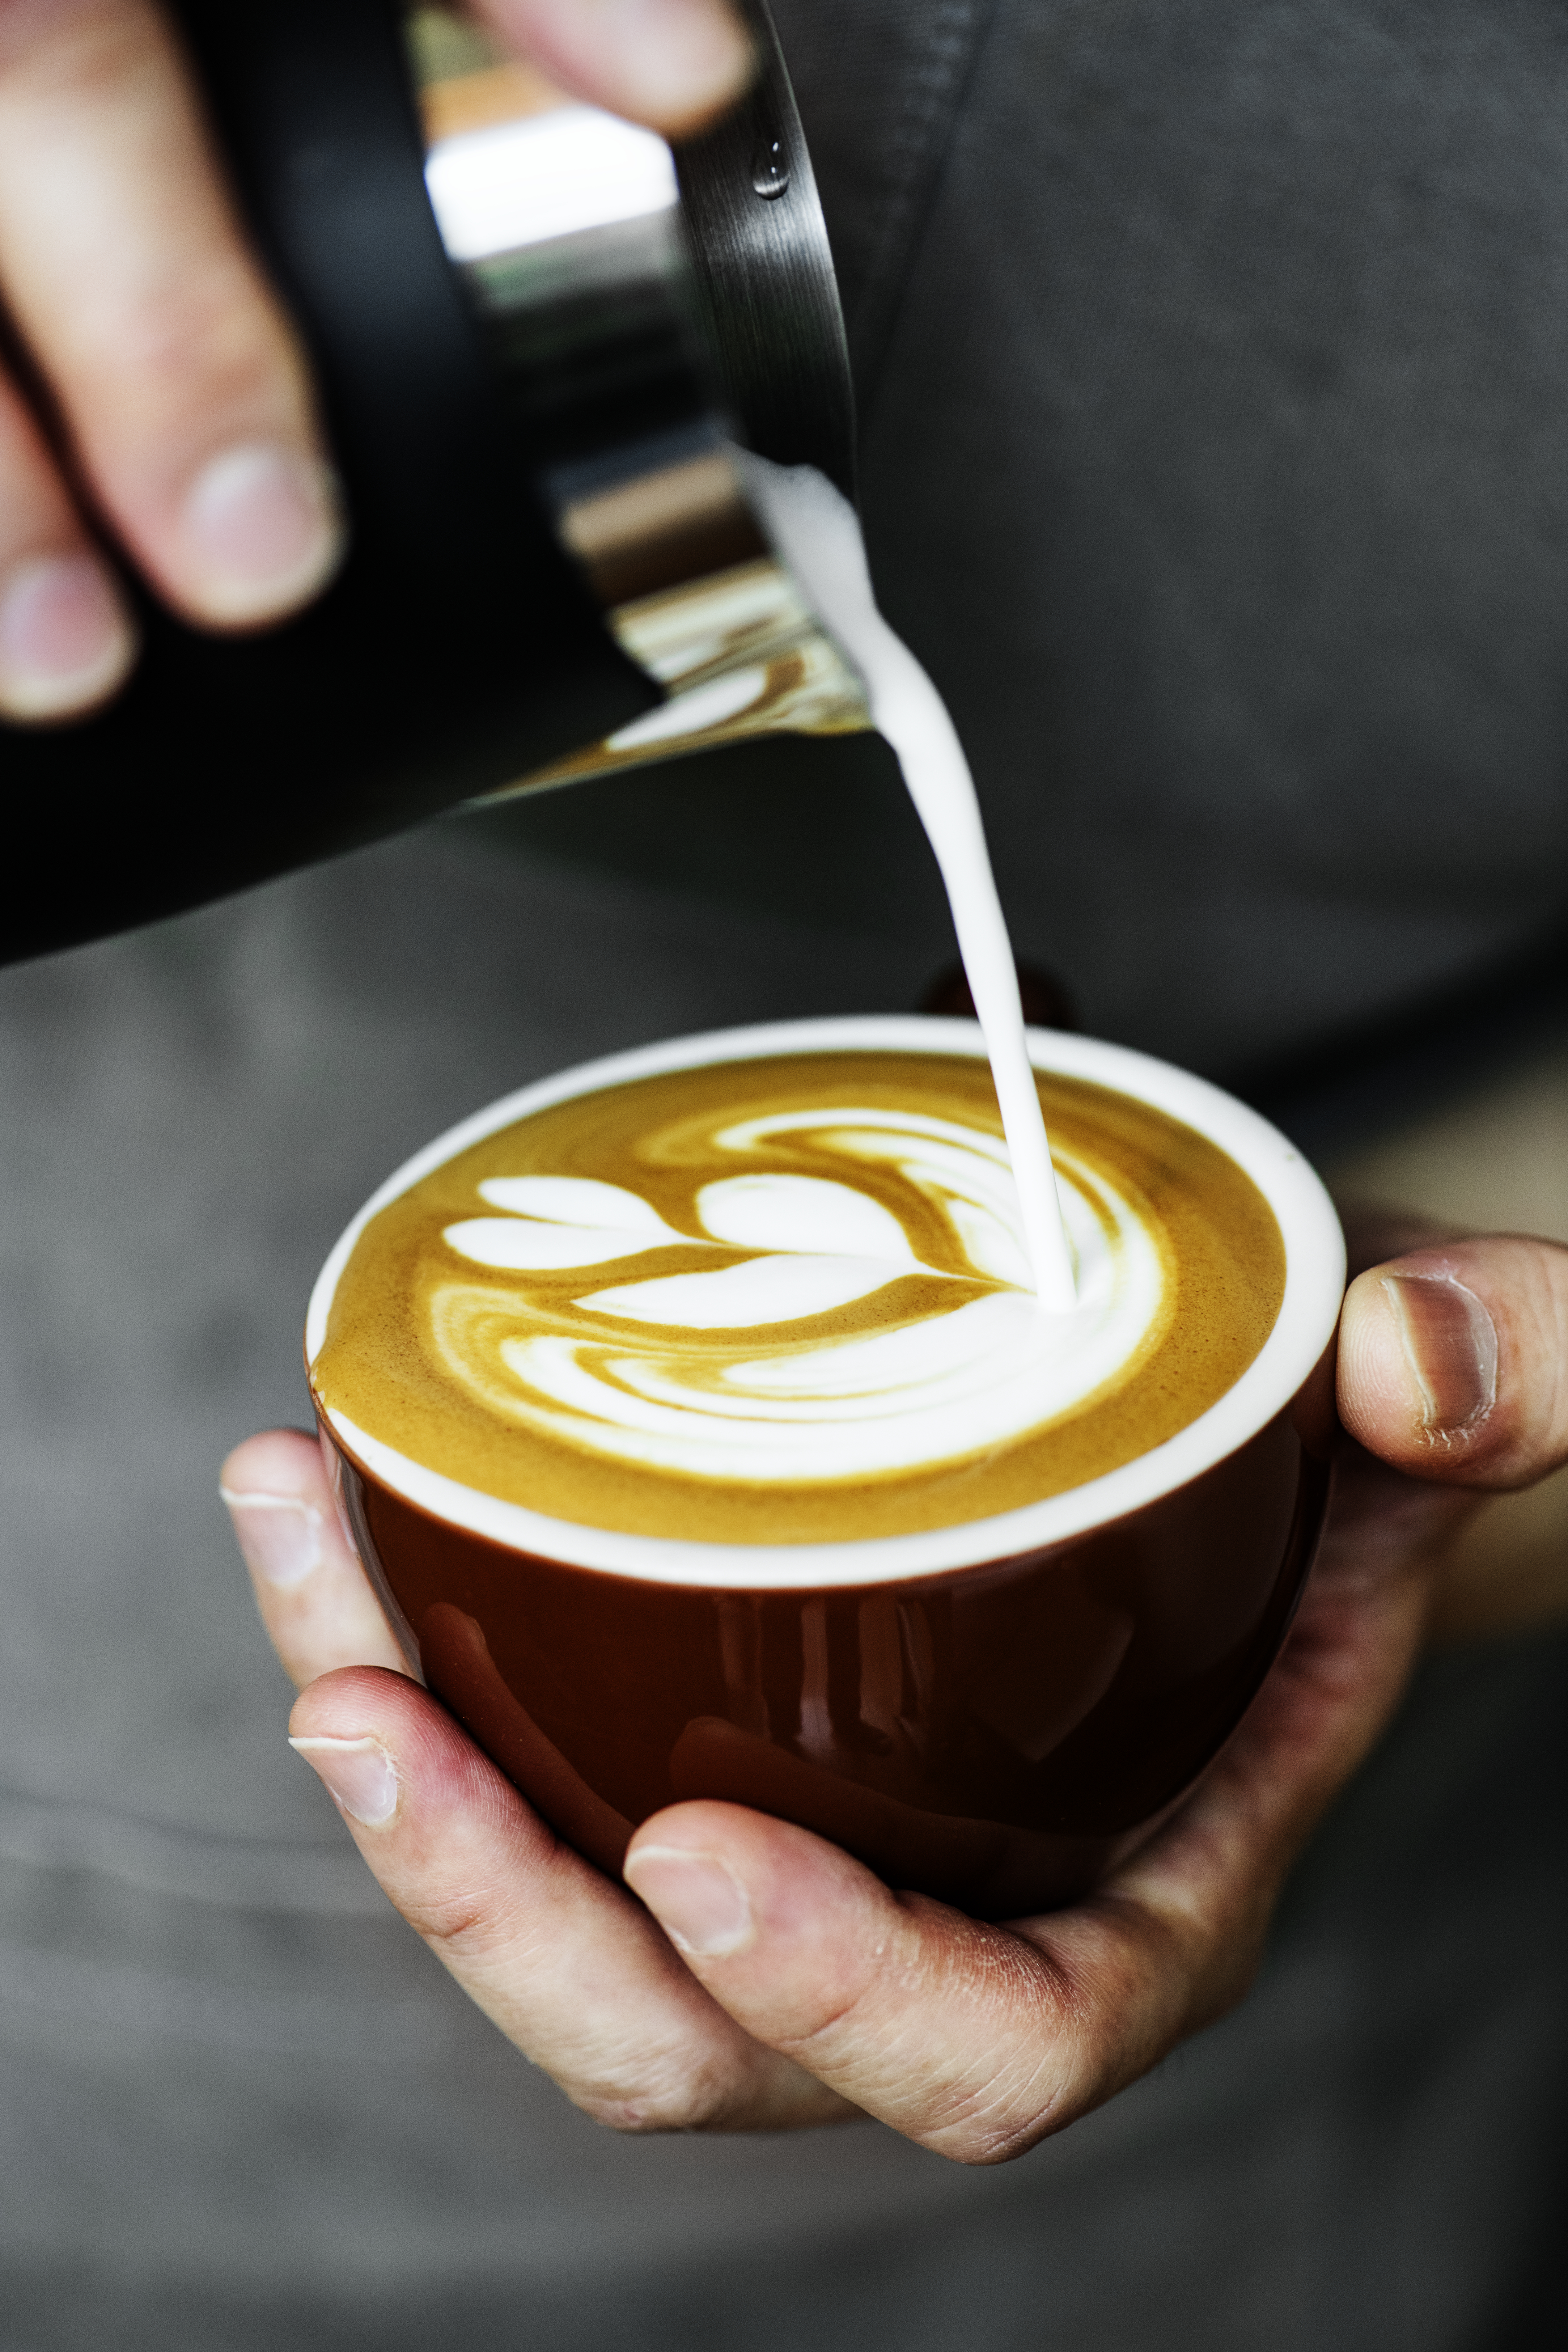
<point>279,1535</point>
<point>66,640</point>
<point>358,1774</point>
<point>697,1899</point>
<point>1450,1346</point>
<point>263,531</point>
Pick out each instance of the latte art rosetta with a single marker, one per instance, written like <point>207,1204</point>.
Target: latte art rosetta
<point>786,1300</point>
<point>724,1369</point>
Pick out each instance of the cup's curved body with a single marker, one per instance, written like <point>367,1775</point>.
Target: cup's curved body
<point>997,1729</point>
<point>997,1736</point>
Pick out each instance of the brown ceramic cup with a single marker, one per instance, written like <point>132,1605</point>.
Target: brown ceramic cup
<point>993,1713</point>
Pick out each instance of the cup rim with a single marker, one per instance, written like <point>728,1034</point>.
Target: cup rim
<point>1314,1285</point>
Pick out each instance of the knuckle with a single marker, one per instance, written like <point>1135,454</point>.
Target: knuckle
<point>643,2107</point>
<point>989,2029</point>
<point>466,1927</point>
<point>985,2147</point>
<point>639,2074</point>
<point>1073,2029</point>
<point>923,1957</point>
<point>486,1906</point>
<point>1000,2126</point>
<point>456,1926</point>
<point>624,2112</point>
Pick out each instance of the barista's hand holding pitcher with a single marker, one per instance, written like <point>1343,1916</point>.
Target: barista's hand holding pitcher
<point>779,1982</point>
<point>186,422</point>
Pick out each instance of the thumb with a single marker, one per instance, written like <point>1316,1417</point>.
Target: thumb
<point>1453,1361</point>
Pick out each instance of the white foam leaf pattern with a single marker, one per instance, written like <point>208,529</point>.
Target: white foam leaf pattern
<point>559,1222</point>
<point>780,1289</point>
<point>956,1375</point>
<point>779,1212</point>
<point>528,1245</point>
<point>577,1201</point>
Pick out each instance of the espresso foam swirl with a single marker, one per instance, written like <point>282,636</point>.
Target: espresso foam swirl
<point>786,1300</point>
<point>725,1371</point>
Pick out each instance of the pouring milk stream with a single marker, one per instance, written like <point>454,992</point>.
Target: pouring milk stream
<point>818,533</point>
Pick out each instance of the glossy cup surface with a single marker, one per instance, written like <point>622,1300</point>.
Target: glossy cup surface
<point>991,1712</point>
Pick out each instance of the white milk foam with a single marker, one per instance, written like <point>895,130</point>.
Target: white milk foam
<point>951,1381</point>
<point>818,533</point>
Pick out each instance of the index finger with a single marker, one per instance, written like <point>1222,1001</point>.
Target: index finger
<point>672,64</point>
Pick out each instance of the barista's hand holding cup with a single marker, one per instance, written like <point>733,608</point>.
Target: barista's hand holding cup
<point>949,1704</point>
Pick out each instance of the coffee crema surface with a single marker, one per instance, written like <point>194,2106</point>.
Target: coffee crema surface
<point>786,1300</point>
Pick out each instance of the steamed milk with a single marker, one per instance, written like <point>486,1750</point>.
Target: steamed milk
<point>787,1300</point>
<point>822,1297</point>
<point>818,533</point>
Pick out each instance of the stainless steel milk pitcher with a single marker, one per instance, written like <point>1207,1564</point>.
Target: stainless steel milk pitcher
<point>534,328</point>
